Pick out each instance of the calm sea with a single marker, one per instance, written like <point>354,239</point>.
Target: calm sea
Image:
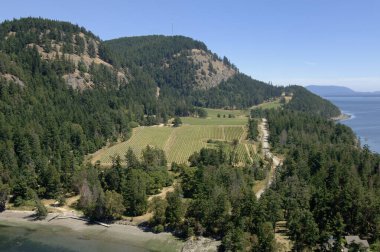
<point>365,120</point>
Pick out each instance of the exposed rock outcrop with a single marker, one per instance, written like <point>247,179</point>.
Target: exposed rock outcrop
<point>211,72</point>
<point>15,79</point>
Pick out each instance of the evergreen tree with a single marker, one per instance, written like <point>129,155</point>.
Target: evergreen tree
<point>131,159</point>
<point>175,210</point>
<point>134,193</point>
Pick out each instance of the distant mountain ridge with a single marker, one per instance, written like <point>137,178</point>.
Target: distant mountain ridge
<point>327,91</point>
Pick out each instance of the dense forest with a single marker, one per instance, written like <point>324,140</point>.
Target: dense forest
<point>236,93</point>
<point>107,194</point>
<point>216,199</point>
<point>308,102</point>
<point>48,125</point>
<point>328,185</point>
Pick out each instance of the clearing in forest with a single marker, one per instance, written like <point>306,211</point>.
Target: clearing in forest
<point>181,142</point>
<point>273,104</point>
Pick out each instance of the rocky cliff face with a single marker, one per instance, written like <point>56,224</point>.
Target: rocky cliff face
<point>211,71</point>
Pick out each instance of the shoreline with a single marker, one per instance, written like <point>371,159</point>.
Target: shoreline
<point>76,234</point>
<point>342,117</point>
<point>80,233</point>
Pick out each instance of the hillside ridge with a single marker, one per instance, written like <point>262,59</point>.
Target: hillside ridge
<point>333,90</point>
<point>176,71</point>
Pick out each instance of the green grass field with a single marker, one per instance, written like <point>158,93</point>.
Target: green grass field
<point>179,143</point>
<point>237,113</point>
<point>240,117</point>
<point>275,104</point>
<point>269,105</point>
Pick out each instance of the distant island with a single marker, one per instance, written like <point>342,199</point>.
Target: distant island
<point>328,91</point>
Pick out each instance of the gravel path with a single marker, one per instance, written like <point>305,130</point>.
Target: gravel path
<point>276,161</point>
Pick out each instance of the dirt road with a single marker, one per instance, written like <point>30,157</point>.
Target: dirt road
<point>276,161</point>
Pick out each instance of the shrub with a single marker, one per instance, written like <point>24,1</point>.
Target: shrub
<point>114,207</point>
<point>41,211</point>
<point>158,229</point>
<point>61,200</point>
<point>133,124</point>
<point>18,201</point>
<point>177,122</point>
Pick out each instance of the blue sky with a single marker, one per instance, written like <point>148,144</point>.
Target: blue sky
<point>283,41</point>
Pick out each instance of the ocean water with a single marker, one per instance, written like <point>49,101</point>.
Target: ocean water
<point>365,118</point>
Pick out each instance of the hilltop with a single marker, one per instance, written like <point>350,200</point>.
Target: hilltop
<point>160,54</point>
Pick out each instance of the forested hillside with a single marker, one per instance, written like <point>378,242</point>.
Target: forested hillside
<point>183,67</point>
<point>64,93</point>
<point>305,101</point>
<point>46,124</point>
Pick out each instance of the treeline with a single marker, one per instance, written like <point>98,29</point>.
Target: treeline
<point>328,185</point>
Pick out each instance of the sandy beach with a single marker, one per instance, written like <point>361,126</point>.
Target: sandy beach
<point>77,235</point>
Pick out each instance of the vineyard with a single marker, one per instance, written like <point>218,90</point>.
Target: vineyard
<point>178,143</point>
<point>181,142</point>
